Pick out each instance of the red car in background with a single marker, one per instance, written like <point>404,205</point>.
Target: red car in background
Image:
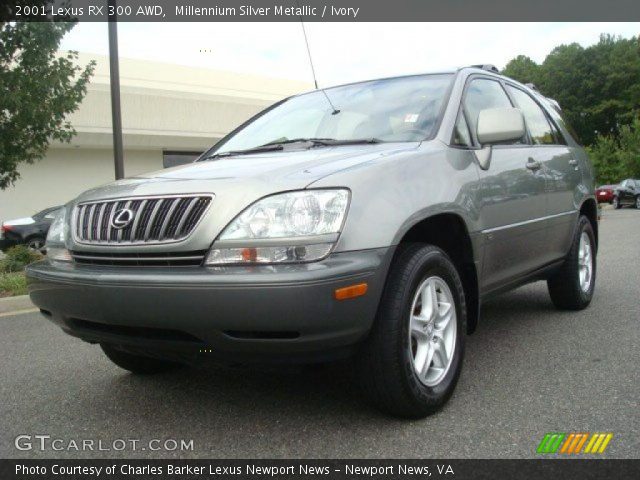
<point>604,193</point>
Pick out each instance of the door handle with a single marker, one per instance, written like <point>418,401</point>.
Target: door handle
<point>533,165</point>
<point>573,162</point>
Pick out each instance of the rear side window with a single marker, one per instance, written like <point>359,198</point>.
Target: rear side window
<point>536,120</point>
<point>560,120</point>
<point>482,94</point>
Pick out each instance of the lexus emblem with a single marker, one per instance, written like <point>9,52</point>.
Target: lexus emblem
<point>122,218</point>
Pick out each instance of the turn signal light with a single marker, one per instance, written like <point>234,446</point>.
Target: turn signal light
<point>351,291</point>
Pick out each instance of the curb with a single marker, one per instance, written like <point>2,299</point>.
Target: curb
<point>15,304</point>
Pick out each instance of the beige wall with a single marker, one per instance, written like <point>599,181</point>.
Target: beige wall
<point>164,107</point>
<point>66,172</point>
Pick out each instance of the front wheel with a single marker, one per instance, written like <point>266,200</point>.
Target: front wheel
<point>35,244</point>
<point>411,361</point>
<point>571,288</point>
<point>136,363</point>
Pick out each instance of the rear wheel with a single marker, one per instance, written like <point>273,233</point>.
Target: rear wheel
<point>136,363</point>
<point>410,364</point>
<point>616,203</point>
<point>572,287</point>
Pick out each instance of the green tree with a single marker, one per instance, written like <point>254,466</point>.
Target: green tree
<point>39,87</point>
<point>598,87</point>
<point>616,157</point>
<point>523,69</point>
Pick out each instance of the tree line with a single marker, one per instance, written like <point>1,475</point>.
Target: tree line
<point>598,88</point>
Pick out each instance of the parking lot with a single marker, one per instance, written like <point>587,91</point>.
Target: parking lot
<point>529,370</point>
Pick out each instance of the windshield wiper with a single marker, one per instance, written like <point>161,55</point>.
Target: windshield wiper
<point>323,141</point>
<point>261,148</point>
<point>279,145</point>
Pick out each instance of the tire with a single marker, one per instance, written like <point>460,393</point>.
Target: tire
<point>616,203</point>
<point>388,359</point>
<point>136,363</point>
<point>638,202</point>
<point>35,244</point>
<point>567,288</point>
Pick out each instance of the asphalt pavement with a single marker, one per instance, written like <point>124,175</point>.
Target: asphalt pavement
<point>529,370</point>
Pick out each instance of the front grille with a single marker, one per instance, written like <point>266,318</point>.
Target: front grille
<point>161,259</point>
<point>150,220</point>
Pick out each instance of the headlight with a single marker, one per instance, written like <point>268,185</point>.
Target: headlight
<point>284,228</point>
<point>57,229</point>
<point>54,245</point>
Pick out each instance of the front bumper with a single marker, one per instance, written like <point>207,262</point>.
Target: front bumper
<point>284,312</point>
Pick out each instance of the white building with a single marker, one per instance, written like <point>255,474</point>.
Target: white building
<point>169,113</point>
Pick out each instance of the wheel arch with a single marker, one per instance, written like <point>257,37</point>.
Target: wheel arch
<point>589,209</point>
<point>449,232</point>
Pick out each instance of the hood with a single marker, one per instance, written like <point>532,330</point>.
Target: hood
<point>262,173</point>
<point>295,165</point>
<point>236,182</point>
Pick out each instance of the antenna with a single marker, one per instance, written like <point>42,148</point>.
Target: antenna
<point>313,70</point>
<point>306,41</point>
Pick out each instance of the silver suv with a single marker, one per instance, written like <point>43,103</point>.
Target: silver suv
<point>368,220</point>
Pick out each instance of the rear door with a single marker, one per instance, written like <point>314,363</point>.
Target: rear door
<point>630,191</point>
<point>562,169</point>
<point>512,196</point>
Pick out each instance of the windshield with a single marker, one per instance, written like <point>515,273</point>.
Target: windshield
<point>402,109</point>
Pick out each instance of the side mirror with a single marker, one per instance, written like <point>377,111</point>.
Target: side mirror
<point>496,125</point>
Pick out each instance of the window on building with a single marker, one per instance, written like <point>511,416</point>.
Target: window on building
<point>173,159</point>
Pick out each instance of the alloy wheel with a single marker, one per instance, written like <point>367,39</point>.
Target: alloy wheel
<point>585,262</point>
<point>36,245</point>
<point>432,331</point>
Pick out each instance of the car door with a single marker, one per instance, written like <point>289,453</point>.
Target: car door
<point>623,192</point>
<point>512,196</point>
<point>630,192</point>
<point>562,168</point>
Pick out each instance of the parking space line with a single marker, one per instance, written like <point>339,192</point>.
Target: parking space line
<point>19,312</point>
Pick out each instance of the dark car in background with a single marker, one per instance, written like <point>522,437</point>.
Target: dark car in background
<point>604,193</point>
<point>627,193</point>
<point>30,231</point>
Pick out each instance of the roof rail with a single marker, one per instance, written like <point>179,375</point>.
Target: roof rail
<point>486,66</point>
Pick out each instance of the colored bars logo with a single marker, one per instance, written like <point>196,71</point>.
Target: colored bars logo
<point>574,442</point>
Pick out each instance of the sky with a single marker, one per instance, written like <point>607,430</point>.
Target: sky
<point>341,52</point>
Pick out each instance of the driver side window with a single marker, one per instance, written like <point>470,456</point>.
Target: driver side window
<point>483,93</point>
